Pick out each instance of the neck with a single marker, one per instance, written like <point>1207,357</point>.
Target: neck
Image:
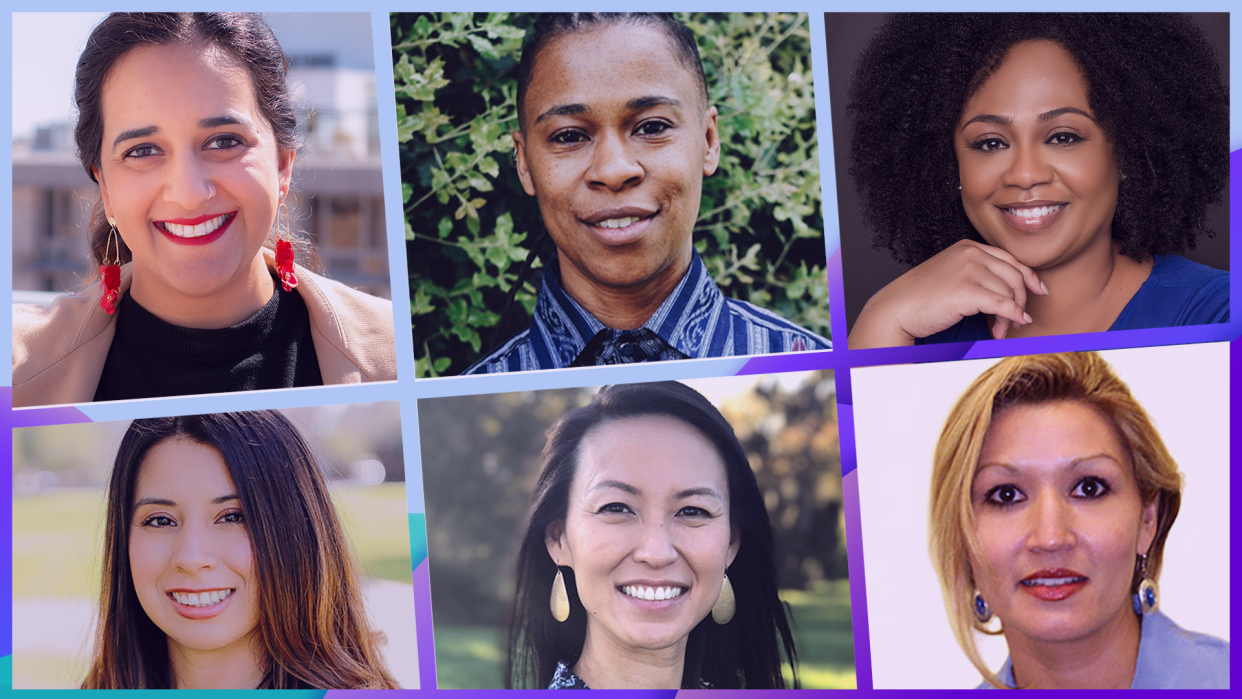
<point>237,301</point>
<point>624,308</point>
<point>1086,293</point>
<point>1104,660</point>
<point>604,664</point>
<point>235,666</point>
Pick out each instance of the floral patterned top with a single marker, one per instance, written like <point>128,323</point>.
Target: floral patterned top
<point>564,678</point>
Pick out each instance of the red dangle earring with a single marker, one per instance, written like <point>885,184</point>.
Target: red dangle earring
<point>284,250</point>
<point>110,274</point>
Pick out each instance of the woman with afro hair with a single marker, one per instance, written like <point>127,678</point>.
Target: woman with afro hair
<point>1040,172</point>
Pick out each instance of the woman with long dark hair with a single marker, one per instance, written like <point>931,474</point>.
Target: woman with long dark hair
<point>648,559</point>
<point>225,565</point>
<point>187,124</point>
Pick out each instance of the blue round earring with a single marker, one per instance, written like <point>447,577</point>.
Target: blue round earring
<point>1147,599</point>
<point>983,613</point>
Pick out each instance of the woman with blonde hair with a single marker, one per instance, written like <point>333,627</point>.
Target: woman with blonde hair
<point>1052,497</point>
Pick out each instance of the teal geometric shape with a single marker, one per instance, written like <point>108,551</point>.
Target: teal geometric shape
<point>418,539</point>
<point>6,672</point>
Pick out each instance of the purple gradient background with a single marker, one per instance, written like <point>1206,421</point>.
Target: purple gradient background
<point>841,360</point>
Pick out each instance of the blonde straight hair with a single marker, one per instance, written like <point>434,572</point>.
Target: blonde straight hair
<point>1082,377</point>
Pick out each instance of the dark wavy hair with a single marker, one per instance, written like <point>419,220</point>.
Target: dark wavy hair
<point>245,35</point>
<point>1154,85</point>
<point>312,626</point>
<point>746,652</point>
<point>550,26</point>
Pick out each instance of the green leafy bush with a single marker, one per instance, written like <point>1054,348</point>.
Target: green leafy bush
<point>473,237</point>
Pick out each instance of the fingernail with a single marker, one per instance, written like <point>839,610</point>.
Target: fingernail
<point>1027,317</point>
<point>1044,287</point>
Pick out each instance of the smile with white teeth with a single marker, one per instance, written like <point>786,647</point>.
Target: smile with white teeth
<point>652,593</point>
<point>1035,211</point>
<point>1051,582</point>
<point>618,222</point>
<point>201,599</point>
<point>202,229</point>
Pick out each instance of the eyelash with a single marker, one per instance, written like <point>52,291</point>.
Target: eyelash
<point>573,136</point>
<point>236,142</point>
<point>230,517</point>
<point>993,496</point>
<point>622,508</point>
<point>996,144</point>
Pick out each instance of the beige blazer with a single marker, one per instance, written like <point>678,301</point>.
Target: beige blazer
<point>59,350</point>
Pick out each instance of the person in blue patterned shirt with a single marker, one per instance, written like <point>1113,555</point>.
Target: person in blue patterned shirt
<point>615,145</point>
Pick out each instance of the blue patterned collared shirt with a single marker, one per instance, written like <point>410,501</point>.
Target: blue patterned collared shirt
<point>695,321</point>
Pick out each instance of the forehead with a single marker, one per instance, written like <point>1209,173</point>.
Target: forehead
<point>656,453</point>
<point>154,84</point>
<point>1051,434</point>
<point>617,62</point>
<point>1036,76</point>
<point>178,465</point>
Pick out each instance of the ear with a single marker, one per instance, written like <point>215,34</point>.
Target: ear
<point>523,167</point>
<point>735,542</point>
<point>558,544</point>
<point>1147,527</point>
<point>103,191</point>
<point>711,158</point>
<point>284,163</point>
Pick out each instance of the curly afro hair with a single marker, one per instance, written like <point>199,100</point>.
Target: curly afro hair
<point>1155,88</point>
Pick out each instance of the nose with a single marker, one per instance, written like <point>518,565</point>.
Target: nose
<point>1051,524</point>
<point>189,183</point>
<point>194,551</point>
<point>656,547</point>
<point>614,164</point>
<point>1028,166</point>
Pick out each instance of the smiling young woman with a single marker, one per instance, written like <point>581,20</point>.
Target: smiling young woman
<point>651,534</point>
<point>1052,496</point>
<point>186,123</point>
<point>1023,184</point>
<point>225,565</point>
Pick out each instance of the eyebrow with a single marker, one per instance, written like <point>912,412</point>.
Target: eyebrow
<point>1072,465</point>
<point>681,495</point>
<point>171,503</point>
<point>634,105</point>
<point>208,123</point>
<point>1046,116</point>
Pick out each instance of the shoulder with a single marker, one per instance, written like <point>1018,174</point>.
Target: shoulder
<point>514,355</point>
<point>357,325</point>
<point>1172,657</point>
<point>793,337</point>
<point>1178,292</point>
<point>59,350</point>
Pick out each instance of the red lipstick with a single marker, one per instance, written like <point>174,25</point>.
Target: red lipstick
<point>161,226</point>
<point>1053,584</point>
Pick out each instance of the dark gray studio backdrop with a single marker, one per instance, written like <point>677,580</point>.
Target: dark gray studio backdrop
<point>865,269</point>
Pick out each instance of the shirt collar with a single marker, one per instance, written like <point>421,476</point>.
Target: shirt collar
<point>561,327</point>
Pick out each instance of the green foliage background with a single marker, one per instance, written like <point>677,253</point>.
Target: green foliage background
<point>472,233</point>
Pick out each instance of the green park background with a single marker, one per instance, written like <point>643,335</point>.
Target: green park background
<point>481,457</point>
<point>60,480</point>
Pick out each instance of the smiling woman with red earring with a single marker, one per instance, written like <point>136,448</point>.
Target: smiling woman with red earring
<point>1002,156</point>
<point>197,273</point>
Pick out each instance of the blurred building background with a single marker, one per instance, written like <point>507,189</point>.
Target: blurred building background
<point>337,195</point>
